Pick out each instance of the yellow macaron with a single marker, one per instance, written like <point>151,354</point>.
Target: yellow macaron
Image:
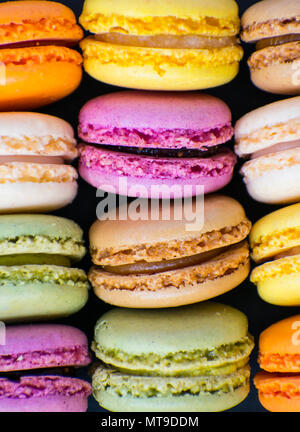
<point>152,45</point>
<point>275,244</point>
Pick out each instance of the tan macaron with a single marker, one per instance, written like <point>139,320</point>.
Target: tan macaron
<point>274,25</point>
<point>165,263</point>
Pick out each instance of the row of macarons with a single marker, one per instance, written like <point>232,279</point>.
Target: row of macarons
<point>146,263</point>
<point>149,145</point>
<point>144,46</point>
<point>147,360</point>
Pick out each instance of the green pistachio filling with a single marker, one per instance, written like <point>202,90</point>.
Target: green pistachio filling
<point>22,259</point>
<point>42,245</point>
<point>106,378</point>
<point>224,358</point>
<point>59,275</point>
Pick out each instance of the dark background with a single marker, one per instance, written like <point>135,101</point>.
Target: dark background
<point>241,96</point>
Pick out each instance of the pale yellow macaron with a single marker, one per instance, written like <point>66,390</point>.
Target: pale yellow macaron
<point>35,155</point>
<point>275,244</point>
<point>154,45</point>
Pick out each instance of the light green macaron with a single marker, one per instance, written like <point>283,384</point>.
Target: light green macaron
<point>36,278</point>
<point>192,358</point>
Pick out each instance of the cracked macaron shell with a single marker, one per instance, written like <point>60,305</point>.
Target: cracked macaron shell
<point>147,336</point>
<point>44,234</point>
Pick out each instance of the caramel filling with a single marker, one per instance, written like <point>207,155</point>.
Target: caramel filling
<point>168,41</point>
<point>56,160</point>
<point>290,252</point>
<point>278,40</point>
<point>168,265</point>
<point>276,148</point>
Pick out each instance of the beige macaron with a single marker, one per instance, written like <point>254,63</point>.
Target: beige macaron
<point>274,25</point>
<point>269,137</point>
<point>171,261</point>
<point>35,155</point>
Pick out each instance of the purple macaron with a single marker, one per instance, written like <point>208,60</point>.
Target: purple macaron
<point>30,348</point>
<point>155,145</point>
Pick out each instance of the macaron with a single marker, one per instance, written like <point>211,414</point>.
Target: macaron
<point>275,245</point>
<point>36,151</point>
<point>274,26</point>
<point>156,145</point>
<point>37,364</point>
<point>269,138</point>
<point>38,66</point>
<point>154,46</point>
<point>36,280</point>
<point>170,260</point>
<point>193,358</point>
<point>278,383</point>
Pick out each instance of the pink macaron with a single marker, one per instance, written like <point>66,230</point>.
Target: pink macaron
<point>154,145</point>
<point>36,349</point>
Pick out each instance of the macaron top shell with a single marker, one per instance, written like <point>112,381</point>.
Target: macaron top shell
<point>100,16</point>
<point>267,125</point>
<point>197,327</point>
<point>279,346</point>
<point>43,345</point>
<point>38,20</point>
<point>264,12</point>
<point>111,237</point>
<point>28,133</point>
<point>153,112</point>
<point>275,233</point>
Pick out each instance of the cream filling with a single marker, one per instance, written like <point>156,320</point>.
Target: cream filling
<point>168,41</point>
<point>163,266</point>
<point>276,148</point>
<point>288,253</point>
<point>278,40</point>
<point>56,160</point>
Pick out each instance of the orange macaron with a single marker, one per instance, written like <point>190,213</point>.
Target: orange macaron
<point>37,65</point>
<point>279,356</point>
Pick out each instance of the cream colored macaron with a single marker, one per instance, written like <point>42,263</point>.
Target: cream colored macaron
<point>35,155</point>
<point>269,137</point>
<point>274,26</point>
<point>166,262</point>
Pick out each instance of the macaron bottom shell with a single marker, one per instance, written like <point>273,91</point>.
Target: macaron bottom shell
<point>205,402</point>
<point>158,68</point>
<point>35,84</point>
<point>44,394</point>
<point>36,197</point>
<point>171,296</point>
<point>275,186</point>
<point>34,292</point>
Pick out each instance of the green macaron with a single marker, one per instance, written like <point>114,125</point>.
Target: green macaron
<point>36,278</point>
<point>193,358</point>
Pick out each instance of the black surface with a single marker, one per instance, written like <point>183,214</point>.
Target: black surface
<point>242,97</point>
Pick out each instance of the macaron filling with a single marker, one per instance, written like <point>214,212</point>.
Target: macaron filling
<point>277,40</point>
<point>168,41</point>
<point>276,148</point>
<point>162,266</point>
